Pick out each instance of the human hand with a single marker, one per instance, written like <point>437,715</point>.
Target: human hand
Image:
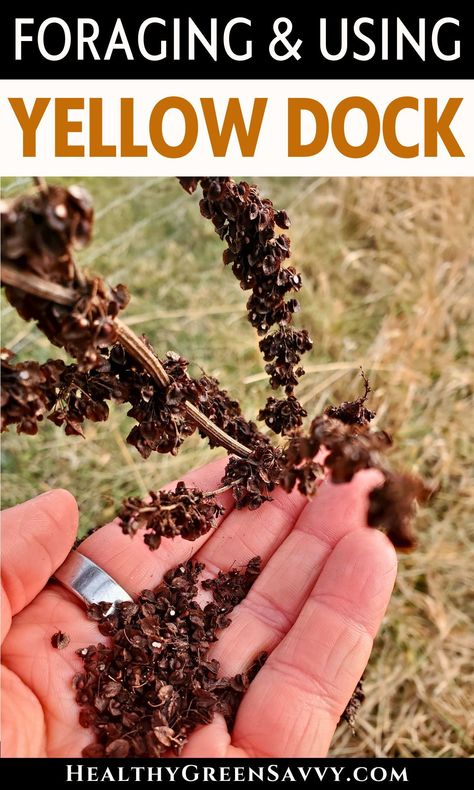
<point>316,607</point>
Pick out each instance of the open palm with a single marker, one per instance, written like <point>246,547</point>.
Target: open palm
<point>316,607</point>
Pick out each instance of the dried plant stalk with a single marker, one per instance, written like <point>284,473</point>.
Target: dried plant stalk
<point>80,313</point>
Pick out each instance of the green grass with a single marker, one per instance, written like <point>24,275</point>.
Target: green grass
<point>389,284</point>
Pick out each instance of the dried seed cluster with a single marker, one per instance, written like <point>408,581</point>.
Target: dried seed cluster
<point>145,692</point>
<point>28,392</point>
<point>392,507</point>
<point>162,422</point>
<point>83,395</point>
<point>188,512</point>
<point>70,395</point>
<point>354,412</point>
<point>351,447</point>
<point>254,477</point>
<point>246,222</point>
<point>284,415</point>
<point>39,232</point>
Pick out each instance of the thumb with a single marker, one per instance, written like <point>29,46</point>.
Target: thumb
<point>36,538</point>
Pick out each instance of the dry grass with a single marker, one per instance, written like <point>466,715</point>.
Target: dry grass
<point>389,285</point>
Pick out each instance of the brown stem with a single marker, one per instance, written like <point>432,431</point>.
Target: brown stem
<point>139,351</point>
<point>220,436</point>
<point>53,292</point>
<point>222,489</point>
<point>36,286</point>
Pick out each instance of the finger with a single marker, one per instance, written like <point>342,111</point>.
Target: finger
<point>277,596</point>
<point>211,740</point>
<point>129,560</point>
<point>296,700</point>
<point>248,533</point>
<point>36,538</point>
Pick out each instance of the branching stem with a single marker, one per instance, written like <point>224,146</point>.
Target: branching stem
<point>53,292</point>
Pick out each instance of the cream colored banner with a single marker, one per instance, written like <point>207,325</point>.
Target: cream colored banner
<point>271,128</point>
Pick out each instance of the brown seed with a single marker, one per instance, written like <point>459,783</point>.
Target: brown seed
<point>118,748</point>
<point>60,640</point>
<point>164,735</point>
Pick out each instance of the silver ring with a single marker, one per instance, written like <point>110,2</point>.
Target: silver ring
<point>89,582</point>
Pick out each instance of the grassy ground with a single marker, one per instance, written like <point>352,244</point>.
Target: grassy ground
<point>389,285</point>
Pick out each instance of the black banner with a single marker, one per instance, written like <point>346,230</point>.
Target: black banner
<point>158,41</point>
<point>412,773</point>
